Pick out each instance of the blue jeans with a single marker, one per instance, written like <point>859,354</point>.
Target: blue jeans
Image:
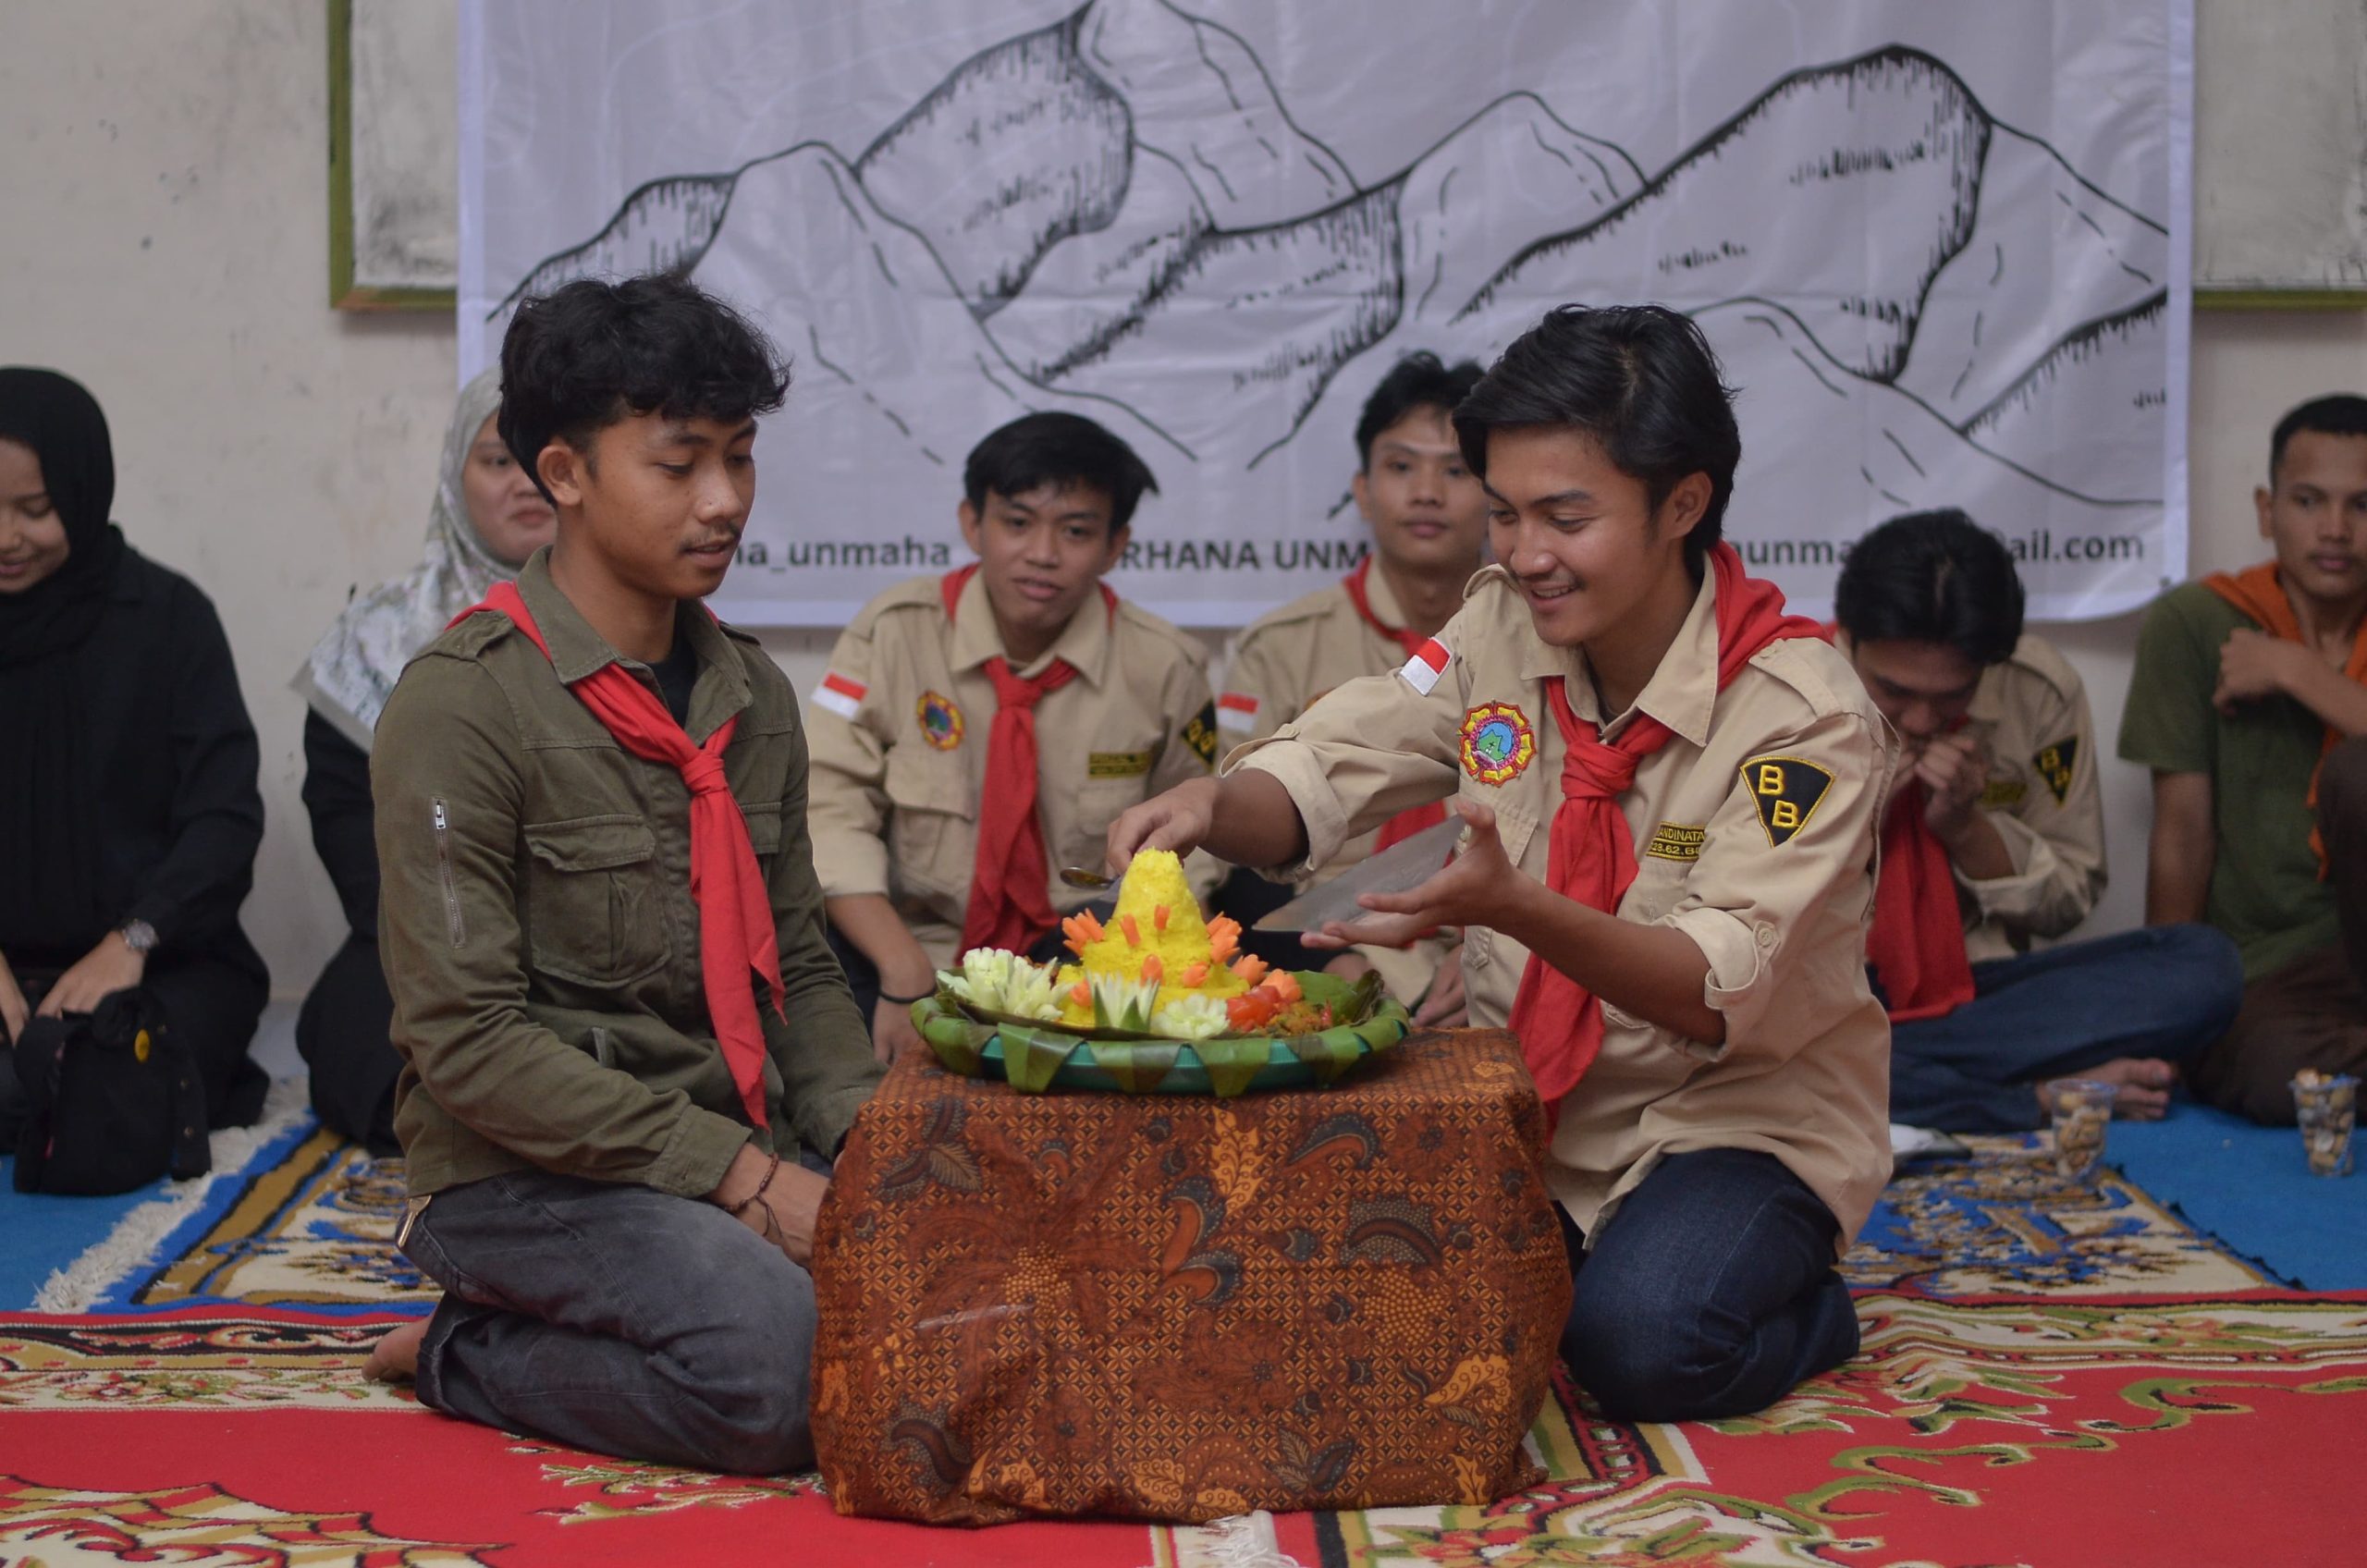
<point>1709,1292</point>
<point>2165,991</point>
<point>616,1318</point>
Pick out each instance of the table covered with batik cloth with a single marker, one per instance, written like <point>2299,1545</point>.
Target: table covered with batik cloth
<point>1179,1307</point>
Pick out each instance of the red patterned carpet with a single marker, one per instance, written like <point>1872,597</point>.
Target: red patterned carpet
<point>2050,1376</point>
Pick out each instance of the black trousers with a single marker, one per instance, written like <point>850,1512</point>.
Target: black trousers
<point>345,1036</point>
<point>2312,1012</point>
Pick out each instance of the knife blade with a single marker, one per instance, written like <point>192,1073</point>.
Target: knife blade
<point>1407,864</point>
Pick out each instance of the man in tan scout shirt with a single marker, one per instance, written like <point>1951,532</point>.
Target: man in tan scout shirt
<point>1430,533</point>
<point>978,730</point>
<point>1996,836</point>
<point>1670,790</point>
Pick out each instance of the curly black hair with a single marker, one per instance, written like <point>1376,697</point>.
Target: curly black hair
<point>595,352</point>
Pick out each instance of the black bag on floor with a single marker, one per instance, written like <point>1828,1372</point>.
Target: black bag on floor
<point>111,1099</point>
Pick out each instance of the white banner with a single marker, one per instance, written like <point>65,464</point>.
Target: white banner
<point>1942,250</point>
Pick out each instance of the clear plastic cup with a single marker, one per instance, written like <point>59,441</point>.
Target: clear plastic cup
<point>2326,1106</point>
<point>2081,1109</point>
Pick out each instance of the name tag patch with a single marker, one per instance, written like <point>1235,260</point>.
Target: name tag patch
<point>1676,840</point>
<point>941,720</point>
<point>2053,764</point>
<point>1200,734</point>
<point>1497,742</point>
<point>1787,790</point>
<point>1117,765</point>
<point>2003,794</point>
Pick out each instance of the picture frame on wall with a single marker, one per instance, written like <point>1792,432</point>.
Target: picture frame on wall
<point>394,154</point>
<point>2280,155</point>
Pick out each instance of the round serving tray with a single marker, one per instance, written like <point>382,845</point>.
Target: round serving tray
<point>1033,1056</point>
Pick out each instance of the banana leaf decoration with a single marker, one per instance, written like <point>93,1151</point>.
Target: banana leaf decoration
<point>1035,1057</point>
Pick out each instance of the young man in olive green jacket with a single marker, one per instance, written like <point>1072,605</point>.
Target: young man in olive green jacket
<point>623,1080</point>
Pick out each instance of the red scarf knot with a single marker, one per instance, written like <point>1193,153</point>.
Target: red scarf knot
<point>1010,905</point>
<point>736,935</point>
<point>1590,855</point>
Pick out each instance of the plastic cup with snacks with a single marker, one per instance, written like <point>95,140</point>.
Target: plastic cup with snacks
<point>2080,1110</point>
<point>2326,1106</point>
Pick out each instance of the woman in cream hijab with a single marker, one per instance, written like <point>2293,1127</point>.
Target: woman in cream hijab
<point>487,520</point>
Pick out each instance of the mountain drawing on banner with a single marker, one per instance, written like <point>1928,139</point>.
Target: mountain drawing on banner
<point>1116,214</point>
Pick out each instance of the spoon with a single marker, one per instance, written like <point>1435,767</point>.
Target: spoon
<point>1077,876</point>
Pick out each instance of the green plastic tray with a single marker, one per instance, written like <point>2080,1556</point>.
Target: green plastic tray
<point>1033,1056</point>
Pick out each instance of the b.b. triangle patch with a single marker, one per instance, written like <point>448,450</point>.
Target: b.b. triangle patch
<point>2053,763</point>
<point>1787,792</point>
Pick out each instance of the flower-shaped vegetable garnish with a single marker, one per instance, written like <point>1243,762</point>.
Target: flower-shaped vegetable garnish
<point>999,981</point>
<point>1190,1018</point>
<point>1122,1004</point>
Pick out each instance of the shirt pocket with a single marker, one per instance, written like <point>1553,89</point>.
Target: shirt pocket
<point>1515,826</point>
<point>763,829</point>
<point>1098,805</point>
<point>595,914</point>
<point>930,839</point>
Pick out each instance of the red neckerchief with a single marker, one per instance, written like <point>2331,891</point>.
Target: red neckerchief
<point>1010,906</point>
<point>1591,855</point>
<point>1915,944</point>
<point>735,914</point>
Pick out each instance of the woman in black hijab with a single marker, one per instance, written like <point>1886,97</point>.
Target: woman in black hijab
<point>129,810</point>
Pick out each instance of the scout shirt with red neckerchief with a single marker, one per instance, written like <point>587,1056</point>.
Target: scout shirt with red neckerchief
<point>898,730</point>
<point>2030,713</point>
<point>1754,831</point>
<point>1280,665</point>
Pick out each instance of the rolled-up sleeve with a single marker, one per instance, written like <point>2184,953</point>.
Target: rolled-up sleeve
<point>2057,842</point>
<point>1760,899</point>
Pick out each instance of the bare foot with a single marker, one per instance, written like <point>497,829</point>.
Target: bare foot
<point>395,1359</point>
<point>2144,1086</point>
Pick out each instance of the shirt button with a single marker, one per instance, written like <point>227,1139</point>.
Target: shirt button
<point>1766,936</point>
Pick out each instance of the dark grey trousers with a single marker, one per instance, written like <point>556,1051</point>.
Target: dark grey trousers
<point>616,1318</point>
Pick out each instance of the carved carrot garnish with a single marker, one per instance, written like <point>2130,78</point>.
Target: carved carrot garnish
<point>1284,985</point>
<point>1224,938</point>
<point>1081,928</point>
<point>1159,917</point>
<point>1250,968</point>
<point>1081,994</point>
<point>1153,970</point>
<point>1133,932</point>
<point>1193,974</point>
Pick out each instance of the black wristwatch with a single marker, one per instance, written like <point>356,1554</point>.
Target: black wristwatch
<point>138,935</point>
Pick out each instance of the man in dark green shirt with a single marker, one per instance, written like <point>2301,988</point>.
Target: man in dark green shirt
<point>2246,691</point>
<point>615,1163</point>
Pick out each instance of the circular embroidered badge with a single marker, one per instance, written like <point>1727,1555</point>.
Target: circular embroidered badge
<point>940,721</point>
<point>1497,742</point>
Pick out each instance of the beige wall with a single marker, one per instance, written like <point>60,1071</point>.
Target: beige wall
<point>164,240</point>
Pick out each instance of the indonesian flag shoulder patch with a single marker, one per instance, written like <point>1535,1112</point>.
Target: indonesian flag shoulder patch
<point>1237,710</point>
<point>1428,663</point>
<point>840,694</point>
